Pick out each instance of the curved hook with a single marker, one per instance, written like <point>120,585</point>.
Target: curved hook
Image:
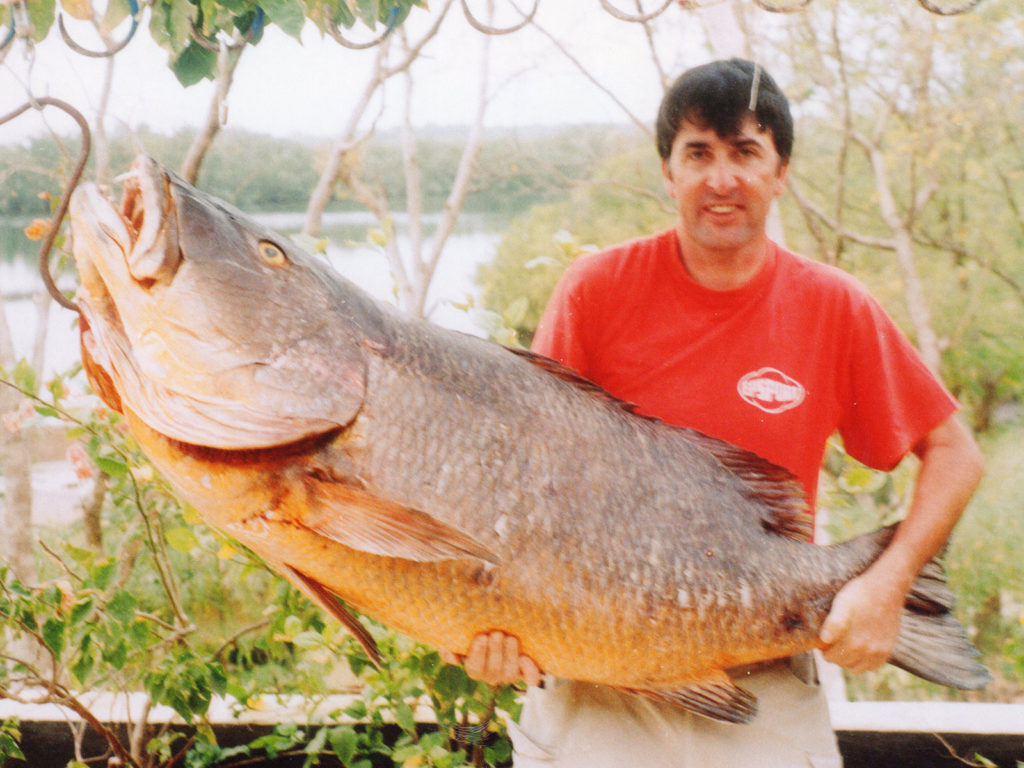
<point>962,8</point>
<point>340,39</point>
<point>793,7</point>
<point>639,19</point>
<point>133,4</point>
<point>65,199</point>
<point>479,26</point>
<point>390,24</point>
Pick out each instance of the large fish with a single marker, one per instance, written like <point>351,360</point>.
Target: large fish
<point>448,486</point>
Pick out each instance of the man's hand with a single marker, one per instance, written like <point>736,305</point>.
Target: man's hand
<point>861,629</point>
<point>495,659</point>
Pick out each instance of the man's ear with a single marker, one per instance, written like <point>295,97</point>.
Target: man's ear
<point>781,177</point>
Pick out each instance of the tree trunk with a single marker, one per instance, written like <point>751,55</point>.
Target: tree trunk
<point>227,61</point>
<point>913,290</point>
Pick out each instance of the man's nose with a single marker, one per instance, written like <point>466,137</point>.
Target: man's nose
<point>722,176</point>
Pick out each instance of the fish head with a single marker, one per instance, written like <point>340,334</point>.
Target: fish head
<point>210,327</point>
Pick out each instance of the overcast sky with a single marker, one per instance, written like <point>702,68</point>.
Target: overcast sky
<point>285,87</point>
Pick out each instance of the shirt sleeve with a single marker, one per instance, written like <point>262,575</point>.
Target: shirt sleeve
<point>894,399</point>
<point>560,333</point>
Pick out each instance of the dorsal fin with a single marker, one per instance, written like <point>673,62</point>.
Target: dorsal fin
<point>567,374</point>
<point>774,487</point>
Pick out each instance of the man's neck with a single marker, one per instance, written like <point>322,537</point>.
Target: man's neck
<point>724,270</point>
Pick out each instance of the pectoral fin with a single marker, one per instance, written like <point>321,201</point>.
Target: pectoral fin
<point>715,696</point>
<point>362,521</point>
<point>329,601</point>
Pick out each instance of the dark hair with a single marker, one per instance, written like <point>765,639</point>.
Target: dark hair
<point>718,96</point>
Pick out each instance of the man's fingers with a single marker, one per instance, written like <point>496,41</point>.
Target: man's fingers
<point>530,671</point>
<point>476,659</point>
<point>510,658</point>
<point>495,659</point>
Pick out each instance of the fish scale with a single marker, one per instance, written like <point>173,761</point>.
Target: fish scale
<point>447,486</point>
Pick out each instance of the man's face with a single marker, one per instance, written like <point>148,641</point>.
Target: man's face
<point>723,187</point>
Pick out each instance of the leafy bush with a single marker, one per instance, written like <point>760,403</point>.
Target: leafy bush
<point>169,607</point>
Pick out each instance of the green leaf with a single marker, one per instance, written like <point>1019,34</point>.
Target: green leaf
<point>218,679</point>
<point>343,15</point>
<point>53,635</point>
<point>85,662</point>
<point>117,11</point>
<point>139,632</point>
<point>122,607</point>
<point>24,375</point>
<point>182,539</point>
<point>356,710</point>
<point>116,655</point>
<point>404,717</point>
<point>194,64</point>
<point>103,574</point>
<point>289,15</point>
<point>81,609</point>
<point>112,465</point>
<point>368,11</point>
<point>344,740</point>
<point>452,682</point>
<point>499,752</point>
<point>9,748</point>
<point>42,14</point>
<point>317,743</point>
<point>308,639</point>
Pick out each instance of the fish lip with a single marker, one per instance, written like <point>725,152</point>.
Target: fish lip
<point>148,206</point>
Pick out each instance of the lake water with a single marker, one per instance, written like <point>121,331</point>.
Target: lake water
<point>472,244</point>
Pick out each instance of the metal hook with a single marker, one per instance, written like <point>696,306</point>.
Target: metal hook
<point>791,7</point>
<point>639,19</point>
<point>333,31</point>
<point>133,5</point>
<point>479,26</point>
<point>964,7</point>
<point>390,24</point>
<point>65,200</point>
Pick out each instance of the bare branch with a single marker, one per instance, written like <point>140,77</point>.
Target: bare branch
<point>643,125</point>
<point>228,57</point>
<point>460,185</point>
<point>808,206</point>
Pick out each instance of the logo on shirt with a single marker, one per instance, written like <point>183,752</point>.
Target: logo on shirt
<point>771,390</point>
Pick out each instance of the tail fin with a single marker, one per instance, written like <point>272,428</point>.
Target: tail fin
<point>932,644</point>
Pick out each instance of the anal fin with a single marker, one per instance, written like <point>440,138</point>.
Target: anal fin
<point>329,601</point>
<point>714,696</point>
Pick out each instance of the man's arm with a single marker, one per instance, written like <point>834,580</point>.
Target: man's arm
<point>861,629</point>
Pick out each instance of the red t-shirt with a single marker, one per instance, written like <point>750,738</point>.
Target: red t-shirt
<point>775,367</point>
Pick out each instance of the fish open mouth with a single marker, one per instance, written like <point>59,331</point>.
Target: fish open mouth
<point>119,250</point>
<point>170,336</point>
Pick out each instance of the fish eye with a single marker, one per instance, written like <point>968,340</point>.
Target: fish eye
<point>272,254</point>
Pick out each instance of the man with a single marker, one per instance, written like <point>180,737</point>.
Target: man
<point>713,326</point>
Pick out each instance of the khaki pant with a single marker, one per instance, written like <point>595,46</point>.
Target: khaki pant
<point>578,725</point>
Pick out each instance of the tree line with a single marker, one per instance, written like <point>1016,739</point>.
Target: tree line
<point>516,169</point>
